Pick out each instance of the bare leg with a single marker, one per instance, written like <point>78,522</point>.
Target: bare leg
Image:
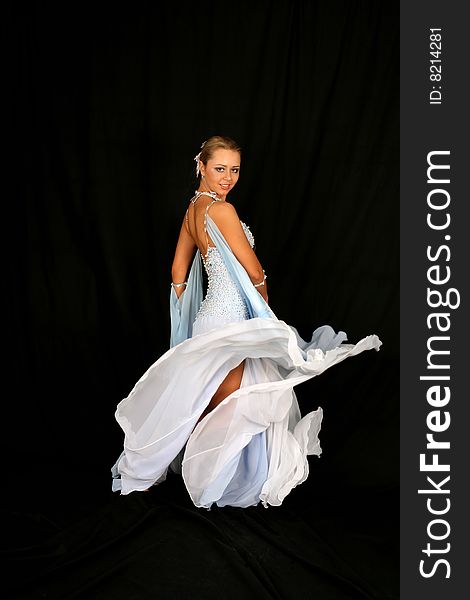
<point>231,383</point>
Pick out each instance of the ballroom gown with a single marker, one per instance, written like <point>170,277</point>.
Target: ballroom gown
<point>253,446</point>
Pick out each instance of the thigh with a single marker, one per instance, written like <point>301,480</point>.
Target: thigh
<point>231,383</point>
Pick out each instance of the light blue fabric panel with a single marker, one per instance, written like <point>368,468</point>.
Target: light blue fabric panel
<point>183,310</point>
<point>244,488</point>
<point>257,305</point>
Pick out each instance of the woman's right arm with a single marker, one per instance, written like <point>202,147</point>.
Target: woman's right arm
<point>227,220</point>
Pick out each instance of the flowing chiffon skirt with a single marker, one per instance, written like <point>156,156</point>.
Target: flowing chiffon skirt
<point>253,446</point>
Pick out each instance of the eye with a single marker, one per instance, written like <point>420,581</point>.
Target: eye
<point>219,169</point>
<point>235,169</point>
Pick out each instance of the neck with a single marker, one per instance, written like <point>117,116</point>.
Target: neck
<point>203,189</point>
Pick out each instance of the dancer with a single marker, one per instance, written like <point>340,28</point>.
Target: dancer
<point>219,407</point>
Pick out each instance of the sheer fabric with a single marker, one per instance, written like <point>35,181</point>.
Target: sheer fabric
<point>253,446</point>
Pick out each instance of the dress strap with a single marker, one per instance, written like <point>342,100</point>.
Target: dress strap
<point>205,225</point>
<point>193,201</point>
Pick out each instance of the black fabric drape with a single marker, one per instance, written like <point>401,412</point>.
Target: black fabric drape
<point>110,103</point>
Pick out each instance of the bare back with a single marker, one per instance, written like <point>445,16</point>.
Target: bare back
<point>196,223</point>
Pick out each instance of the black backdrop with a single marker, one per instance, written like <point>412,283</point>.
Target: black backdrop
<point>110,104</point>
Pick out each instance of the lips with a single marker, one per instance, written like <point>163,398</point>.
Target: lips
<point>224,186</point>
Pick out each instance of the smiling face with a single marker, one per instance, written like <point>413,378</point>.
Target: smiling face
<point>221,172</point>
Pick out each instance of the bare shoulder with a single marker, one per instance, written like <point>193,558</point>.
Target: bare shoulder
<point>224,212</point>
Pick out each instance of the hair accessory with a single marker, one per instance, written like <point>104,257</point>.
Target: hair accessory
<point>197,157</point>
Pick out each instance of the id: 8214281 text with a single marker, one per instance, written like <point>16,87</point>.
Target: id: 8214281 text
<point>435,65</point>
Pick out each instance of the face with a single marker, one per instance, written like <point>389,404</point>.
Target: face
<point>222,171</point>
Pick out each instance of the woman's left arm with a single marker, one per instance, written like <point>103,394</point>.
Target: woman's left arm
<point>184,254</point>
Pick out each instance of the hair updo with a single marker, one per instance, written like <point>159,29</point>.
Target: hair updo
<point>213,143</point>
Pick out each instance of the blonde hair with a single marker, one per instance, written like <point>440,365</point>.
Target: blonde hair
<point>209,146</point>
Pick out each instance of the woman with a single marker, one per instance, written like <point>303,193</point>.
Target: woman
<point>219,167</point>
<point>219,407</point>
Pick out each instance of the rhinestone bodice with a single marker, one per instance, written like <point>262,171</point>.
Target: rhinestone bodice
<point>223,300</point>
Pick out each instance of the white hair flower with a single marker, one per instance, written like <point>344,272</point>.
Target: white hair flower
<point>197,158</point>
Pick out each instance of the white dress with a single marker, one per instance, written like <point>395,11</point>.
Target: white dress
<point>253,446</point>
<point>223,302</point>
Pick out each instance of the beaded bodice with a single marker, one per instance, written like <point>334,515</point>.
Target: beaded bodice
<point>223,300</point>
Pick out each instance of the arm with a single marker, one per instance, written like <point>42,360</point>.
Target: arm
<point>182,260</point>
<point>227,220</point>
